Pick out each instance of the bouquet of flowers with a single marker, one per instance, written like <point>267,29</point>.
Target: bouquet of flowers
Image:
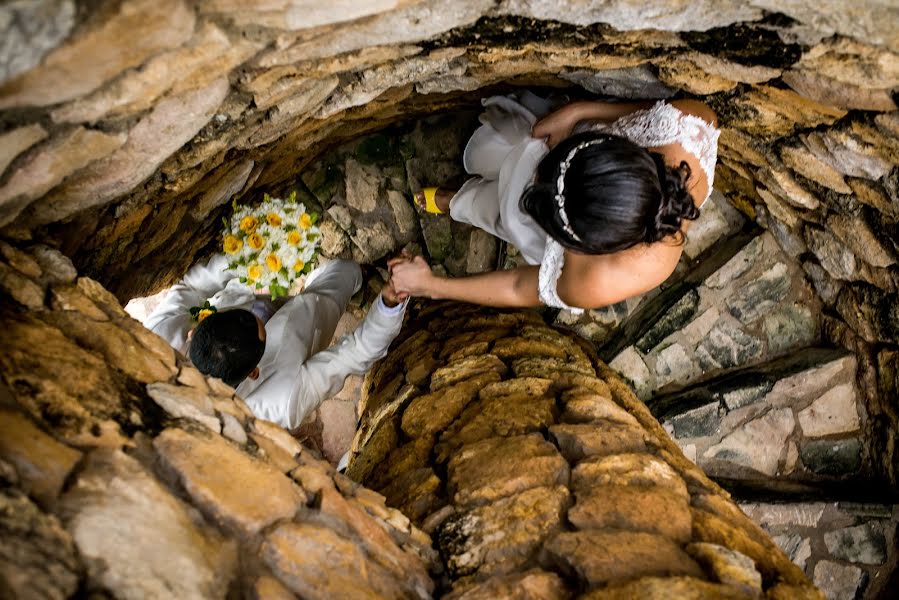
<point>273,244</point>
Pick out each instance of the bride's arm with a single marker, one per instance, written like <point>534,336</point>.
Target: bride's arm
<point>557,125</point>
<point>508,288</point>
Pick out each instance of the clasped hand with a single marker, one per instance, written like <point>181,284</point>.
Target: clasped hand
<point>409,276</point>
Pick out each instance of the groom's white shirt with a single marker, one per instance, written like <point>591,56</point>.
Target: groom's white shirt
<point>298,370</point>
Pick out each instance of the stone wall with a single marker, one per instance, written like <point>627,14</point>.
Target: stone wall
<point>539,473</point>
<point>124,473</point>
<point>128,126</point>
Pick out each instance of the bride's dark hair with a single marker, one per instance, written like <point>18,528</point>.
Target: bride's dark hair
<point>615,195</point>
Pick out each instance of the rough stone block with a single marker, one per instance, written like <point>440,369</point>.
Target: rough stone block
<point>632,508</point>
<point>502,536</point>
<point>530,585</point>
<point>864,544</point>
<point>728,567</point>
<point>838,581</point>
<point>498,467</point>
<point>609,557</point>
<point>638,470</point>
<point>758,445</point>
<point>138,539</point>
<point>230,487</point>
<point>832,457</point>
<point>432,413</point>
<point>834,412</point>
<point>601,438</point>
<point>466,368</point>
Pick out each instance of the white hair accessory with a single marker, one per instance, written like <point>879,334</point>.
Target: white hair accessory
<point>560,185</point>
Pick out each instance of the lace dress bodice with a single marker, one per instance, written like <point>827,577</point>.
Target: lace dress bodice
<point>657,126</point>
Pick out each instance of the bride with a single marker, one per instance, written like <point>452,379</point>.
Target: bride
<point>596,195</point>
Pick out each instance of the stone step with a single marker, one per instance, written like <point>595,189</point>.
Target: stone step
<point>846,548</point>
<point>786,425</point>
<point>752,306</point>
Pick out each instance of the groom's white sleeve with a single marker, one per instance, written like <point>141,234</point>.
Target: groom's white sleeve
<point>324,374</point>
<point>171,320</point>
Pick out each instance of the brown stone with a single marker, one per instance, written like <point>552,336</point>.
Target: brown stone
<point>185,402</point>
<point>137,539</point>
<point>225,183</point>
<point>415,493</point>
<point>454,348</point>
<point>21,261</point>
<point>13,143</point>
<point>102,52</point>
<point>71,298</point>
<point>663,588</point>
<point>530,585</point>
<point>601,438</point>
<point>100,296</point>
<point>498,467</point>
<point>466,369</point>
<point>274,453</point>
<point>503,536</point>
<point>582,405</point>
<point>499,416</point>
<point>811,167</point>
<point>705,74</point>
<point>632,508</point>
<point>639,470</point>
<point>269,588</point>
<point>609,557</point>
<point>412,455</point>
<point>180,117</point>
<point>551,368</point>
<point>38,556</point>
<point>858,236</point>
<point>771,112</point>
<point>433,412</point>
<point>230,487</point>
<point>42,463</point>
<point>728,566</point>
<point>20,288</point>
<point>511,348</point>
<point>51,164</point>
<point>315,562</point>
<point>520,388</point>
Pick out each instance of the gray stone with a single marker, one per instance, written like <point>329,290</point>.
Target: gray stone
<point>762,295</point>
<point>790,241</point>
<point>858,235</point>
<point>673,320</point>
<point>334,240</point>
<point>826,287</point>
<point>727,346</point>
<point>744,396</point>
<point>30,30</point>
<point>698,329</point>
<point>403,213</point>
<point>837,260</point>
<point>372,242</point>
<point>832,457</point>
<point>860,544</point>
<point>757,445</point>
<point>630,365</point>
<point>637,82</point>
<point>736,266</point>
<point>834,412</point>
<point>482,249</point>
<point>774,517</point>
<point>56,266</point>
<point>789,328</point>
<point>363,186</point>
<point>838,582</point>
<point>673,364</point>
<point>711,226</point>
<point>703,421</point>
<point>798,548</point>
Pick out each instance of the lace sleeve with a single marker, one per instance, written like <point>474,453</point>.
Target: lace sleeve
<point>664,124</point>
<point>548,277</point>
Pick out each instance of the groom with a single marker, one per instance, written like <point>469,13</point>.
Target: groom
<point>275,354</point>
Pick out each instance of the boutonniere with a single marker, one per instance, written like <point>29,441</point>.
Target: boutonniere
<point>198,313</point>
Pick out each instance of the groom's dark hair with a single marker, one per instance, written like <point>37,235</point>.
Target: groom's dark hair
<point>226,345</point>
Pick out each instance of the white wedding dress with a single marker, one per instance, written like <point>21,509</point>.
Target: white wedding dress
<point>504,157</point>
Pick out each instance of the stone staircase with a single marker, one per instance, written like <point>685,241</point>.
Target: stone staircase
<point>728,356</point>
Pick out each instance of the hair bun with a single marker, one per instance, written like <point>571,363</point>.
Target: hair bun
<point>676,204</point>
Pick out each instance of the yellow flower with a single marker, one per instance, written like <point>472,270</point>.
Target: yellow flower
<point>248,224</point>
<point>273,219</point>
<point>254,272</point>
<point>232,245</point>
<point>298,266</point>
<point>273,262</point>
<point>255,241</point>
<point>294,238</point>
<point>203,314</point>
<point>305,221</point>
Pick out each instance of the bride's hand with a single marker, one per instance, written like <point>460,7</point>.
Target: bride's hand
<point>558,125</point>
<point>411,277</point>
